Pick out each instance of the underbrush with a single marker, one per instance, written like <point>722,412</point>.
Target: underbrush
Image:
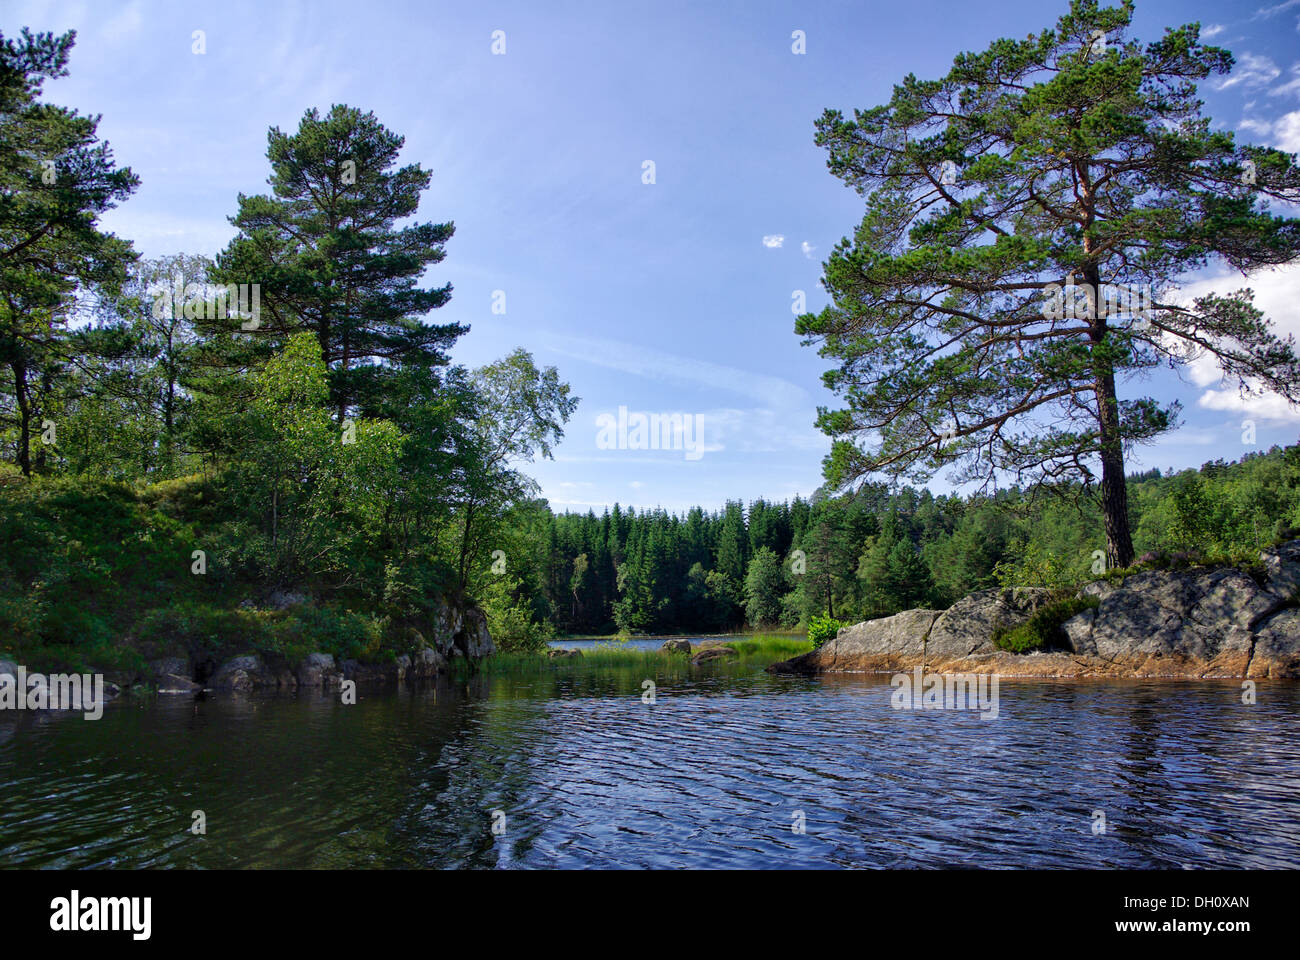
<point>1043,630</point>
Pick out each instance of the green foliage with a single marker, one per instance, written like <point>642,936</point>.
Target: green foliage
<point>1032,565</point>
<point>1042,631</point>
<point>821,629</point>
<point>1025,215</point>
<point>510,622</point>
<point>764,586</point>
<point>56,180</point>
<point>329,259</point>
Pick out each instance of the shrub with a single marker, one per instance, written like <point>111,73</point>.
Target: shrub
<point>1043,630</point>
<point>821,629</point>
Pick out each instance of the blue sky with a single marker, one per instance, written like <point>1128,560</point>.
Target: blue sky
<point>666,297</point>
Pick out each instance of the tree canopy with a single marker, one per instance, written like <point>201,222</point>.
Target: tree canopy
<point>1029,217</point>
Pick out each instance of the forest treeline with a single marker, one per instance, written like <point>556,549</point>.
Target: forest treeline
<point>870,553</point>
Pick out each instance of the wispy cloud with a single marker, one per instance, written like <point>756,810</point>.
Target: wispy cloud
<point>1251,71</point>
<point>1291,86</point>
<point>808,249</point>
<point>774,241</point>
<point>659,365</point>
<point>1275,9</point>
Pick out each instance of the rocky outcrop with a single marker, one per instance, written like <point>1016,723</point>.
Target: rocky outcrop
<point>457,632</point>
<point>318,670</point>
<point>1193,623</point>
<point>461,632</point>
<point>710,654</point>
<point>245,673</point>
<point>676,646</point>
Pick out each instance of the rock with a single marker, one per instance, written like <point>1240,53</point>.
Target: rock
<point>967,627</point>
<point>888,643</point>
<point>284,599</point>
<point>10,668</point>
<point>1078,630</point>
<point>1098,589</point>
<point>391,671</point>
<point>171,666</point>
<point>559,653</point>
<point>1186,623</point>
<point>1277,647</point>
<point>676,646</point>
<point>318,670</point>
<point>461,632</point>
<point>170,683</point>
<point>710,654</point>
<point>241,674</point>
<point>474,629</point>
<point>428,663</point>
<point>1282,569</point>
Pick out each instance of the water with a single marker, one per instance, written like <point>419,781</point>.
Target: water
<point>714,774</point>
<point>631,643</point>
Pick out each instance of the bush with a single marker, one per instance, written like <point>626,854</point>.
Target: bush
<point>821,629</point>
<point>1043,630</point>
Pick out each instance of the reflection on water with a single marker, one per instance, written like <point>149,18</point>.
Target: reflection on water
<point>711,775</point>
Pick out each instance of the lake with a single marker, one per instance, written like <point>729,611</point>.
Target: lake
<point>722,770</point>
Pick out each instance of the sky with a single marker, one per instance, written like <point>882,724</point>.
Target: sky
<point>537,121</point>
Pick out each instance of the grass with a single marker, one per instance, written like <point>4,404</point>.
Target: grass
<point>754,653</point>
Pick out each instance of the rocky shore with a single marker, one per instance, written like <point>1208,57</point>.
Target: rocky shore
<point>1187,624</point>
<point>456,632</point>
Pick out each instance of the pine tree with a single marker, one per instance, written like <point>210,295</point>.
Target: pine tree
<point>328,255</point>
<point>1027,217</point>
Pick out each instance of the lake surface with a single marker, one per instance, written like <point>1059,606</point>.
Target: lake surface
<point>715,773</point>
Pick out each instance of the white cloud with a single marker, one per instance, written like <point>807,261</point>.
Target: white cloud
<point>1286,132</point>
<point>807,249</point>
<point>1213,30</point>
<point>1274,9</point>
<point>1267,406</point>
<point>773,241</point>
<point>1291,86</point>
<point>1283,133</point>
<point>1277,294</point>
<point>1251,71</point>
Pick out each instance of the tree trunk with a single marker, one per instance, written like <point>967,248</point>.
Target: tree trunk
<point>25,419</point>
<point>1114,487</point>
